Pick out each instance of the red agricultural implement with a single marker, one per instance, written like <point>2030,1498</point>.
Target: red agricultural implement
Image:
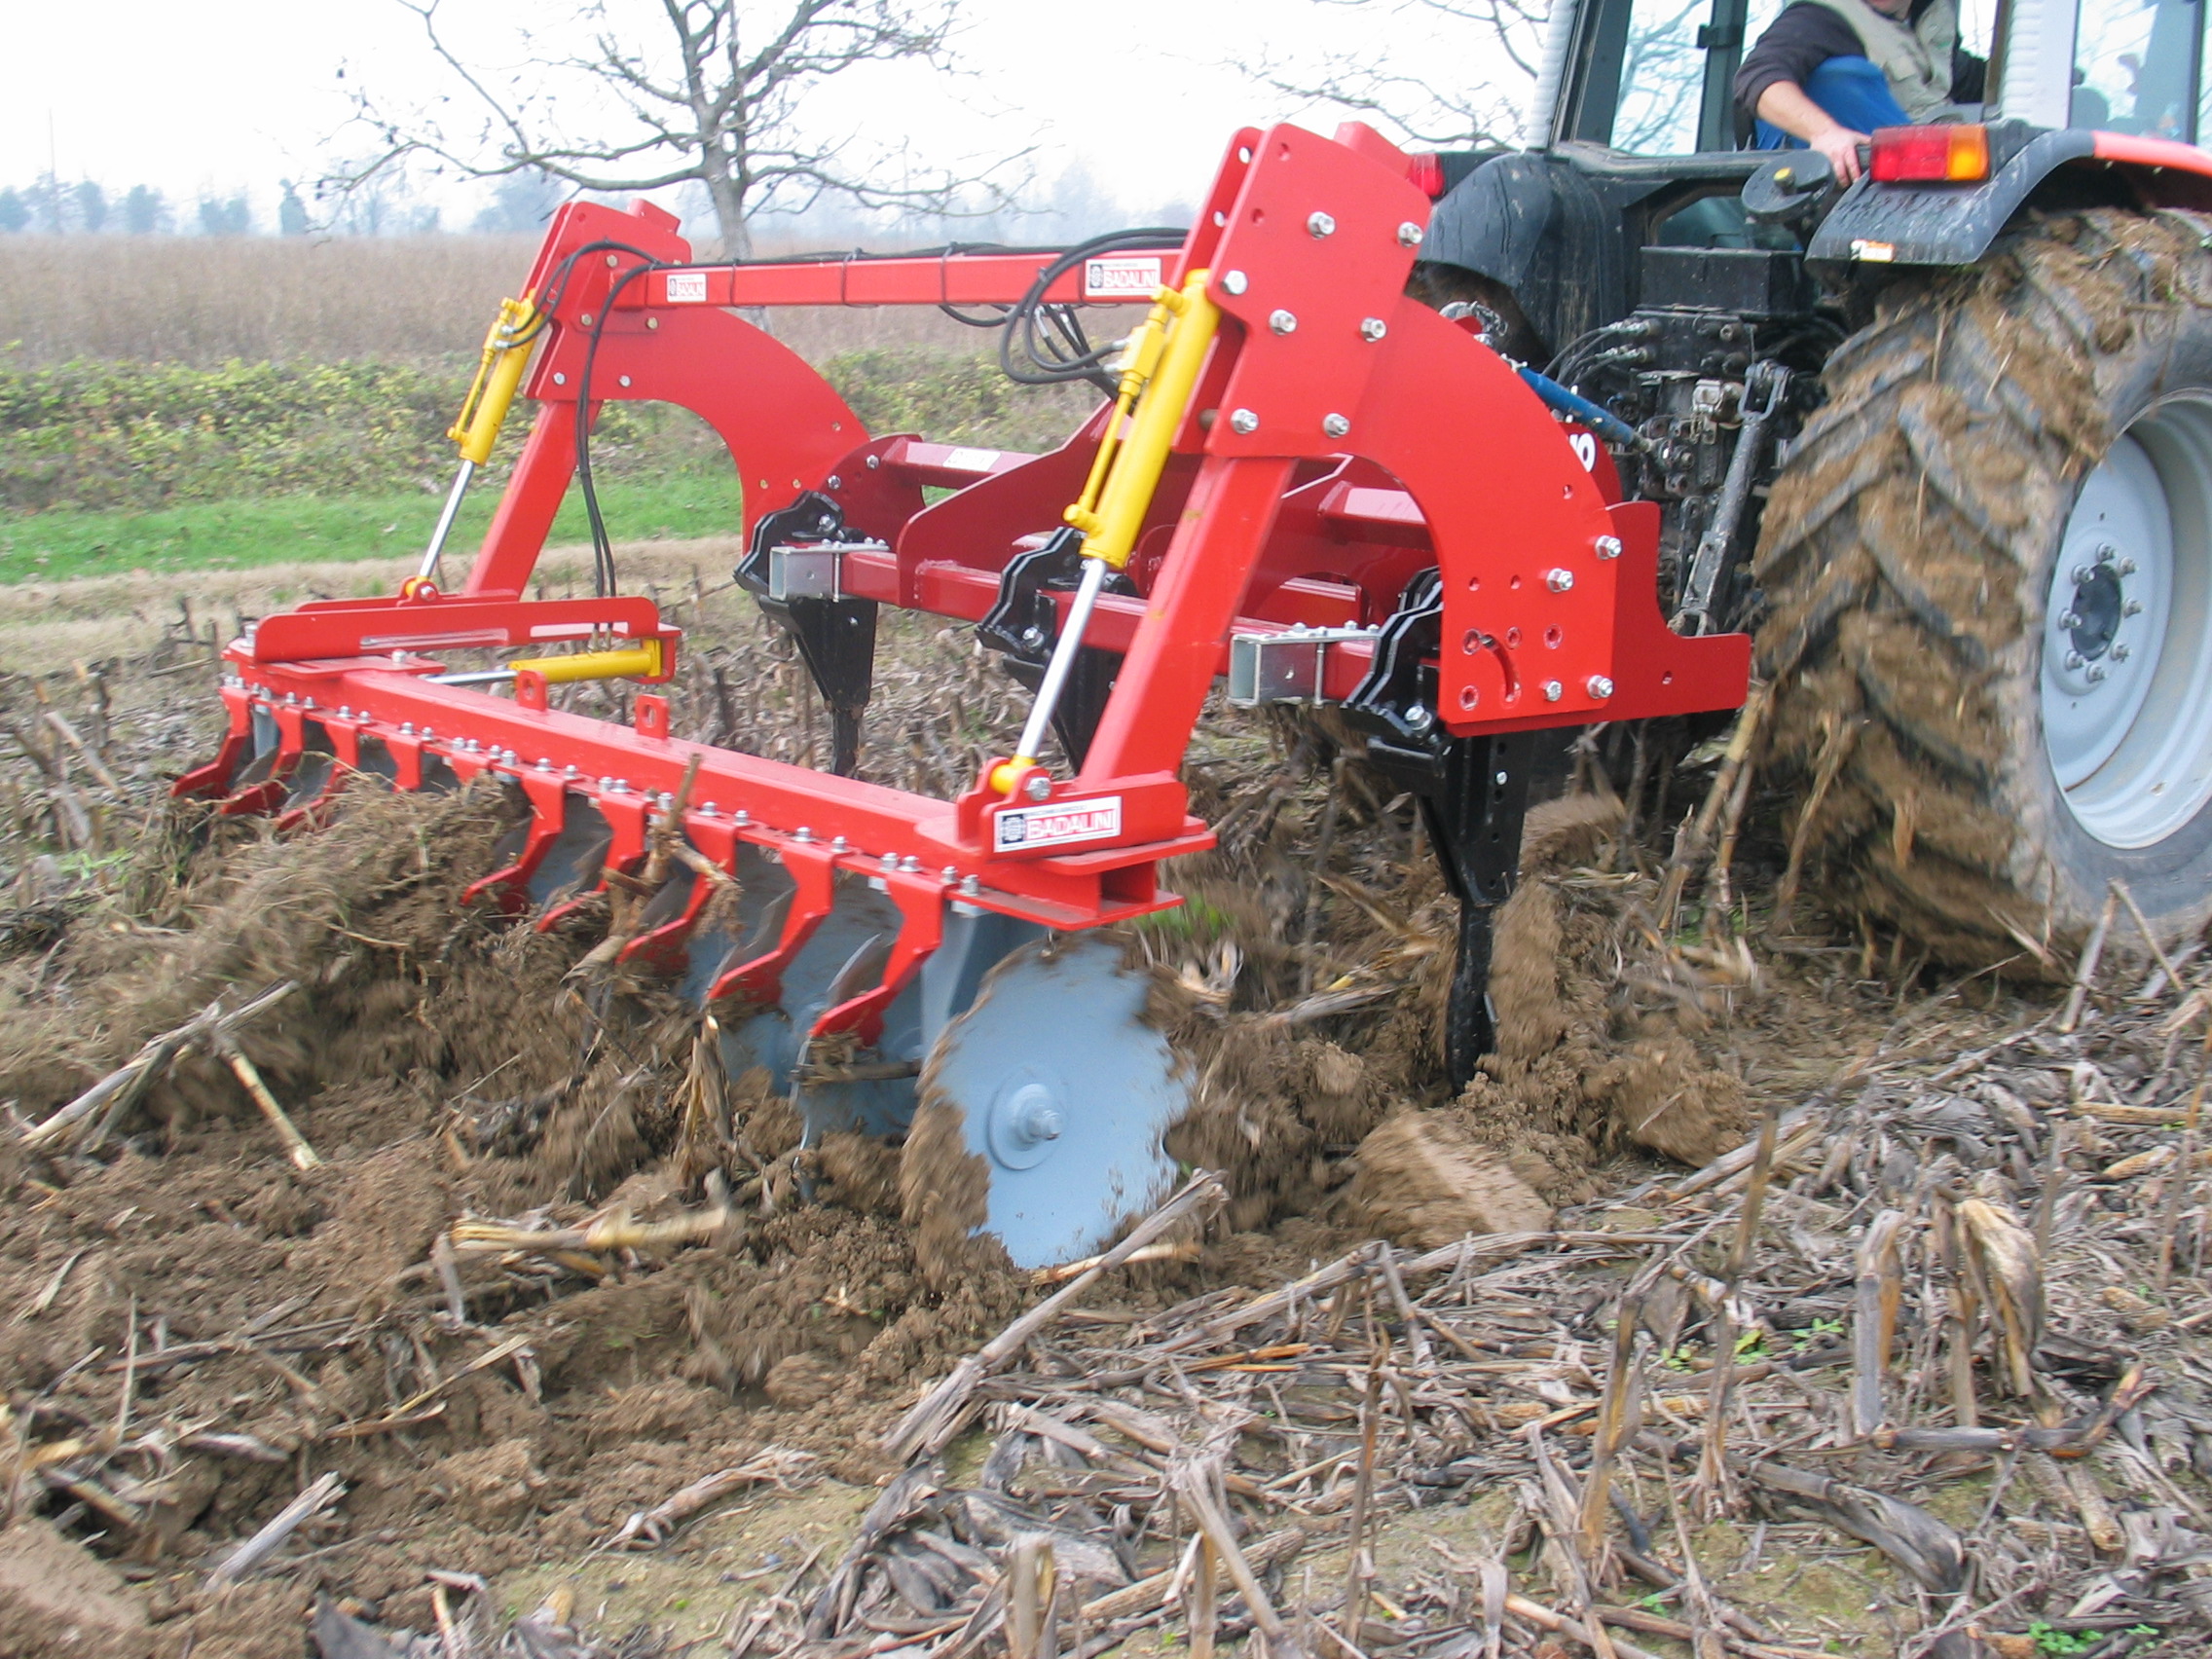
<point>1307,481</point>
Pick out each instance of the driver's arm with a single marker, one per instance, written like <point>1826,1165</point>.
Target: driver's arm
<point>1770,85</point>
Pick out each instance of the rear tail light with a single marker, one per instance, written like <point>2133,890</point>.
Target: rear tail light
<point>1426,173</point>
<point>1924,155</point>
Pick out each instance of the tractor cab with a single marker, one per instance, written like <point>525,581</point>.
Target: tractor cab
<point>1632,193</point>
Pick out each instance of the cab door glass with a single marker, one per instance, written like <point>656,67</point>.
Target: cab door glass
<point>1663,66</point>
<point>2135,67</point>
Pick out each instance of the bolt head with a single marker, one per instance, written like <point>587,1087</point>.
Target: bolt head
<point>1372,328</point>
<point>874,461</point>
<point>1558,580</point>
<point>2133,608</point>
<point>1600,686</point>
<point>2121,653</point>
<point>1233,282</point>
<point>2069,619</point>
<point>2105,553</point>
<point>1243,421</point>
<point>2126,566</point>
<point>1038,787</point>
<point>1032,636</point>
<point>802,833</point>
<point>1408,235</point>
<point>2096,674</point>
<point>1418,718</point>
<point>1320,225</point>
<point>836,482</point>
<point>1608,547</point>
<point>1552,691</point>
<point>840,845</point>
<point>967,883</point>
<point>1336,425</point>
<point>2081,575</point>
<point>2074,659</point>
<point>1282,321</point>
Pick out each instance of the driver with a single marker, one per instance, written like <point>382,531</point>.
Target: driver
<point>1827,72</point>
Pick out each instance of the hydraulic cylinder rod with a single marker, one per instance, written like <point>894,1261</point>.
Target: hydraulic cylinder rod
<point>499,375</point>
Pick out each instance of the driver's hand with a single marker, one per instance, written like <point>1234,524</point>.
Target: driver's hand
<point>1841,147</point>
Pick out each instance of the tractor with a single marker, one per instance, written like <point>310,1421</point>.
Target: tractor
<point>1467,453</point>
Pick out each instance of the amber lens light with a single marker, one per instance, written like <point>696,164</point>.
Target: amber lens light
<point>1927,155</point>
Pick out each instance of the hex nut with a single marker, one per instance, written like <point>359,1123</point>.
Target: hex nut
<point>1243,421</point>
<point>1282,321</point>
<point>1233,282</point>
<point>1608,547</point>
<point>1318,223</point>
<point>1559,581</point>
<point>1601,686</point>
<point>1336,425</point>
<point>1410,235</point>
<point>1372,328</point>
<point>1552,691</point>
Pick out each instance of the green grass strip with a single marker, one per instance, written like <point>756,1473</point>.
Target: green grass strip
<point>233,536</point>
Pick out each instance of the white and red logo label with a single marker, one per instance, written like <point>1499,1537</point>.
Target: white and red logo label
<point>686,287</point>
<point>1059,825</point>
<point>1121,279</point>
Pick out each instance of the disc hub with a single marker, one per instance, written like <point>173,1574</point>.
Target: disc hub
<point>1025,1122</point>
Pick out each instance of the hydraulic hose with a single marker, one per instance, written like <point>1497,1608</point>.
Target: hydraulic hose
<point>1595,416</point>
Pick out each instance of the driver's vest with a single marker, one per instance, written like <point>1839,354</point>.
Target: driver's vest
<point>1914,58</point>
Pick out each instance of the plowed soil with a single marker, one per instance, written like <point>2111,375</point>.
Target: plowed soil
<point>215,1327</point>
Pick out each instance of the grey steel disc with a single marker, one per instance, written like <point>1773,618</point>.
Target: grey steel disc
<point>1066,1094</point>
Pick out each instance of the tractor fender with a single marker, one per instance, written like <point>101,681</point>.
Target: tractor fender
<point>1952,224</point>
<point>1536,225</point>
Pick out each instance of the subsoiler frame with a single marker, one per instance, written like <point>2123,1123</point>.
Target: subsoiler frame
<point>1343,440</point>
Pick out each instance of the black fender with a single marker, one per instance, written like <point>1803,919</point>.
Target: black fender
<point>1533,223</point>
<point>1953,224</point>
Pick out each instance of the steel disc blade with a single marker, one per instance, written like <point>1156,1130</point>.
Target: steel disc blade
<point>1066,1094</point>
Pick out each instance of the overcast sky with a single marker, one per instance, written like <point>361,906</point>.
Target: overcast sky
<point>211,96</point>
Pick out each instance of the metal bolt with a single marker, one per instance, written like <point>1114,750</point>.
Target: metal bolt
<point>625,379</point>
<point>406,728</point>
<point>1372,328</point>
<point>1032,635</point>
<point>1243,421</point>
<point>890,860</point>
<point>910,864</point>
<point>1408,235</point>
<point>742,816</point>
<point>2121,653</point>
<point>2105,553</point>
<point>2096,674</point>
<point>585,319</point>
<point>1608,547</point>
<point>2081,575</point>
<point>1559,581</point>
<point>836,482</point>
<point>560,379</point>
<point>1336,425</point>
<point>2126,566</point>
<point>840,845</point>
<point>1320,224</point>
<point>2133,608</point>
<point>1601,687</point>
<point>802,833</point>
<point>952,872</point>
<point>2074,659</point>
<point>972,884</point>
<point>1502,780</point>
<point>1282,321</point>
<point>653,322</point>
<point>1418,718</point>
<point>874,461</point>
<point>1552,691</point>
<point>2069,620</point>
<point>1038,788</point>
<point>1233,282</point>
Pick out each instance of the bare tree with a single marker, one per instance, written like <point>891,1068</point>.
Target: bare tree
<point>1487,48</point>
<point>715,98</point>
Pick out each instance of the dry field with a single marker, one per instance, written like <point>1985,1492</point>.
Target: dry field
<point>208,301</point>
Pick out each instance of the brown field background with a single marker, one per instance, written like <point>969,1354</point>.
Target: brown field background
<point>207,301</point>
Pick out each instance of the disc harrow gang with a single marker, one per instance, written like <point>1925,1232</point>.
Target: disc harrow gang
<point>1306,480</point>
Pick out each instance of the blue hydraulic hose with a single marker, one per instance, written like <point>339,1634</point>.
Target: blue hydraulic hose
<point>1595,416</point>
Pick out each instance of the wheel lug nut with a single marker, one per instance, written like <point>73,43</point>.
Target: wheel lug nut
<point>2069,621</point>
<point>2074,659</point>
<point>2126,566</point>
<point>2121,653</point>
<point>2096,674</point>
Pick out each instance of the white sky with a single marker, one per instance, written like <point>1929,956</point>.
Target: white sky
<point>198,96</point>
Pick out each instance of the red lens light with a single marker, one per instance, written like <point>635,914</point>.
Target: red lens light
<point>1927,155</point>
<point>1427,174</point>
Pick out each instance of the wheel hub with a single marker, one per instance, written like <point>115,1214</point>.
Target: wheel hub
<point>2126,683</point>
<point>1025,1121</point>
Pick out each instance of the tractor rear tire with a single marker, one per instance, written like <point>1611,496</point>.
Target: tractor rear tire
<point>1988,564</point>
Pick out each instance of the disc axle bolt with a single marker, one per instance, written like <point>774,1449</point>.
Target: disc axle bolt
<point>1034,1118</point>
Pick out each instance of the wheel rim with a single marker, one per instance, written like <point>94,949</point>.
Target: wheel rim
<point>2127,685</point>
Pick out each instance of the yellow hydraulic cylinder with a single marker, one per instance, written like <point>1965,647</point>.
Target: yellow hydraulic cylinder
<point>498,376</point>
<point>640,661</point>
